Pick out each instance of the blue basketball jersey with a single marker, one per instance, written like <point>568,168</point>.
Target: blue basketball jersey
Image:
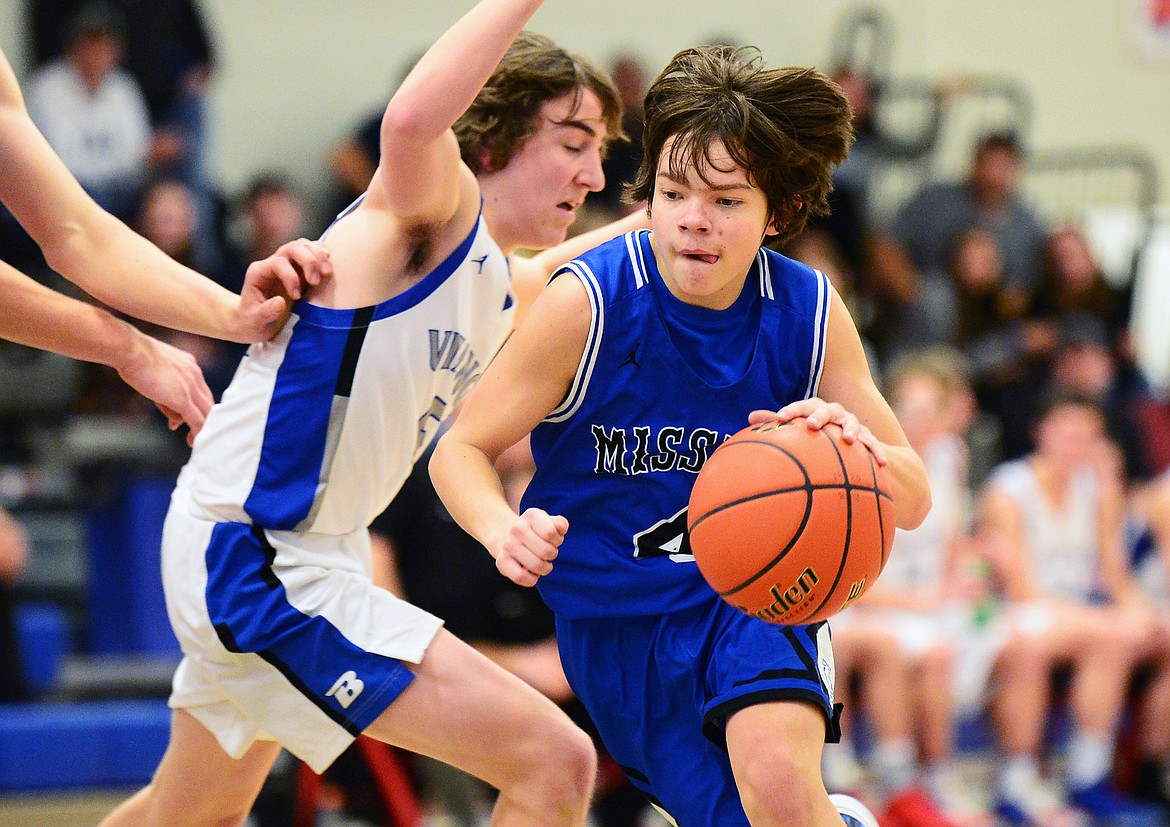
<point>620,453</point>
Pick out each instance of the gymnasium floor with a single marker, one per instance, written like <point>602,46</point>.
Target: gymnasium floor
<point>83,810</point>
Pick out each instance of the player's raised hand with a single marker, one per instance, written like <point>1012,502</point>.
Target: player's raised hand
<point>526,552</point>
<point>272,284</point>
<point>171,379</point>
<point>818,413</point>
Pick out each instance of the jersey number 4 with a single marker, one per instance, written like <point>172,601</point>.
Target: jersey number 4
<point>668,538</point>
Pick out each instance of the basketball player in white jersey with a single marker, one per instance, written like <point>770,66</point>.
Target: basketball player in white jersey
<point>1057,513</point>
<point>104,257</point>
<point>266,559</point>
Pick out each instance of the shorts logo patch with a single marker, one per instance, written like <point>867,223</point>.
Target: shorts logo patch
<point>346,689</point>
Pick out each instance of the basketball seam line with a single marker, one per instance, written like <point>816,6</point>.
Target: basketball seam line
<point>796,536</point>
<point>848,523</point>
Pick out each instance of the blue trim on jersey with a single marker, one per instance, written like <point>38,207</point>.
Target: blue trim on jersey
<point>249,608</point>
<point>297,428</point>
<point>318,368</point>
<point>415,294</point>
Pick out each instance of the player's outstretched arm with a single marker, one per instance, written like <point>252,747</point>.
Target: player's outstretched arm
<point>525,382</point>
<point>849,398</point>
<point>420,177</point>
<point>111,262</point>
<point>33,315</point>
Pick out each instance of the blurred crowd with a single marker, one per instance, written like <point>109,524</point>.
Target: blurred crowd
<point>1037,589</point>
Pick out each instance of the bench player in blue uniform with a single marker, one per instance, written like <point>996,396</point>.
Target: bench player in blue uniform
<point>266,554</point>
<point>634,363</point>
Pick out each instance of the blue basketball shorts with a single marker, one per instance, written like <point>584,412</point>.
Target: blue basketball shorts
<point>661,688</point>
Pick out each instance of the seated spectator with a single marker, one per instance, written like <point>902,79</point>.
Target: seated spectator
<point>1085,364</point>
<point>926,230</point>
<point>901,636</point>
<point>168,51</point>
<point>1056,517</point>
<point>1073,285</point>
<point>1151,513</point>
<point>623,156</point>
<point>168,217</point>
<point>92,112</point>
<point>269,214</point>
<point>13,556</point>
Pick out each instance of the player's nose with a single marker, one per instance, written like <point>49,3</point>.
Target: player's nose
<point>694,217</point>
<point>591,174</point>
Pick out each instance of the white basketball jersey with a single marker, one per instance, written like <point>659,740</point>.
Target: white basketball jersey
<point>320,427</point>
<point>918,557</point>
<point>1061,538</point>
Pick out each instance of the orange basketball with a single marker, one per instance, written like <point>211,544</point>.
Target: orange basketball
<point>790,524</point>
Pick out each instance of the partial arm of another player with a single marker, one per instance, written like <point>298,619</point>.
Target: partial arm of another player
<point>111,262</point>
<point>530,275</point>
<point>528,379</point>
<point>420,176</point>
<point>850,398</point>
<point>36,316</point>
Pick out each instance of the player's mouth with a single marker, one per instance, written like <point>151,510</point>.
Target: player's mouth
<point>569,206</point>
<point>699,255</point>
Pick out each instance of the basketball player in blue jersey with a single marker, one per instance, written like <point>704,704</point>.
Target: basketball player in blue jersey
<point>111,262</point>
<point>266,555</point>
<point>635,362</point>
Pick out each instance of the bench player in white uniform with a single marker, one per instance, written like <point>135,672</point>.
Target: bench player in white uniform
<point>1057,515</point>
<point>265,551</point>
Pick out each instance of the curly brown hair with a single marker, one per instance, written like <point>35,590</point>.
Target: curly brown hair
<point>533,71</point>
<point>786,128</point>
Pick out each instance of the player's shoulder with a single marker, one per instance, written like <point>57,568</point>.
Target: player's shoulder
<point>614,268</point>
<point>793,284</point>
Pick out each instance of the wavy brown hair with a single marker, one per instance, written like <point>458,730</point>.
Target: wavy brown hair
<point>533,71</point>
<point>786,128</point>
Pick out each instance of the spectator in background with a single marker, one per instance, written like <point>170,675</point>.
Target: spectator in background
<point>169,51</point>
<point>168,216</point>
<point>92,112</point>
<point>353,161</point>
<point>1072,284</point>
<point>355,157</point>
<point>624,157</point>
<point>851,221</point>
<point>13,555</point>
<point>1085,364</point>
<point>927,229</point>
<point>273,214</point>
<point>1151,514</point>
<point>1056,516</point>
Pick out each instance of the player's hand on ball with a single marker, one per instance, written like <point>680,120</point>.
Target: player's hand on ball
<point>531,544</point>
<point>818,413</point>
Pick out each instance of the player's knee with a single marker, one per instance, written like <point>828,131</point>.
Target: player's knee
<point>575,760</point>
<point>561,770</point>
<point>775,789</point>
